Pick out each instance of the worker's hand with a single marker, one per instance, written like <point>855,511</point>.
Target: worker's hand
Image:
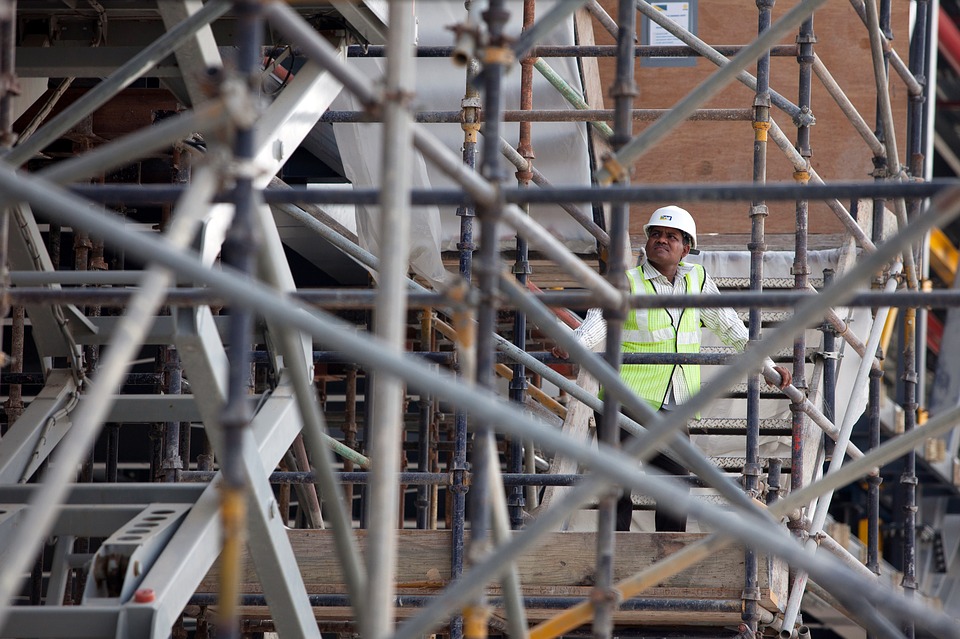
<point>785,377</point>
<point>559,352</point>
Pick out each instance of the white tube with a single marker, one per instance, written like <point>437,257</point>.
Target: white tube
<point>823,504</point>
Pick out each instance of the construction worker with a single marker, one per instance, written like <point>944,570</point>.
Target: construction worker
<point>671,235</point>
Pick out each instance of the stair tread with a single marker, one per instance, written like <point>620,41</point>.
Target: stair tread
<point>743,283</point>
<point>726,423</point>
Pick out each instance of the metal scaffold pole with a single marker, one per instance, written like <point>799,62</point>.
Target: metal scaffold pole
<point>522,271</point>
<point>387,392</point>
<point>239,252</point>
<point>470,108</point>
<point>275,382</point>
<point>758,212</point>
<point>615,509</point>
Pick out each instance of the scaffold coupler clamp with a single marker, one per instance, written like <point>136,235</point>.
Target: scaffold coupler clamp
<point>617,172</point>
<point>467,35</point>
<point>804,117</point>
<point>460,478</point>
<point>471,109</point>
<point>504,56</point>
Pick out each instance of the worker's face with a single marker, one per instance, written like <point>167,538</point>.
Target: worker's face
<point>665,247</point>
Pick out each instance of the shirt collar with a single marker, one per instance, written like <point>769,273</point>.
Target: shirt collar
<point>650,272</point>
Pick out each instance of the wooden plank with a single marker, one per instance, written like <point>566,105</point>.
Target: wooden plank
<point>620,617</point>
<point>561,564</point>
<point>577,426</point>
<point>593,89</point>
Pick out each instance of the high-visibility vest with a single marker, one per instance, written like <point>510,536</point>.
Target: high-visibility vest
<point>651,331</point>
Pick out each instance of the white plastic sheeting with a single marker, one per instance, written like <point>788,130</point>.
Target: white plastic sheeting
<point>560,148</point>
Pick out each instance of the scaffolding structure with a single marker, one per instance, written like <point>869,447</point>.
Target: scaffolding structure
<point>90,555</point>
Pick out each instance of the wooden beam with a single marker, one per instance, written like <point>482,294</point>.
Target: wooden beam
<point>561,565</point>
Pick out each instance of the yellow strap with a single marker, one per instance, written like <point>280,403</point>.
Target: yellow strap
<point>475,622</point>
<point>760,131</point>
<point>499,55</point>
<point>618,172</point>
<point>801,176</point>
<point>470,130</point>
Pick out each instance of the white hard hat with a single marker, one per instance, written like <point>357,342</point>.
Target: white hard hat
<point>676,218</point>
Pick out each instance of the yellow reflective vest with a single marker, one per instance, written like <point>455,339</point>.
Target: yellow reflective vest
<point>652,331</point>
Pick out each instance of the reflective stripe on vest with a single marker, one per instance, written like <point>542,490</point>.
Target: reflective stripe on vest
<point>651,331</point>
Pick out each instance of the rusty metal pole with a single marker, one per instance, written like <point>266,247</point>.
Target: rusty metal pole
<point>424,440</point>
<point>521,269</point>
<point>14,405</point>
<point>350,430</point>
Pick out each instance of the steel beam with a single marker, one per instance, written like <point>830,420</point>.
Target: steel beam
<point>27,252</point>
<point>131,494</point>
<point>127,554</point>
<point>59,570</point>
<point>56,622</point>
<point>292,115</point>
<point>198,53</point>
<point>135,68</point>
<point>196,544</point>
<point>83,62</point>
<point>368,17</point>
<point>39,429</point>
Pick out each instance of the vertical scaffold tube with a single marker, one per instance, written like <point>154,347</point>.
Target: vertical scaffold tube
<point>851,413</point>
<point>424,440</point>
<point>390,323</point>
<point>239,252</point>
<point>805,58</point>
<point>916,162</point>
<point>521,269</point>
<point>874,481</point>
<point>172,385</point>
<point>496,56</point>
<point>609,519</point>
<point>830,358</point>
<point>908,480</point>
<point>880,173</point>
<point>914,324</point>
<point>470,123</point>
<point>758,214</point>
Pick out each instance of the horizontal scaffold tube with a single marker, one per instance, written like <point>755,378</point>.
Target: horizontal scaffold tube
<point>407,478</point>
<point>578,51</point>
<point>158,194</point>
<point>547,115</point>
<point>637,604</point>
<point>365,298</point>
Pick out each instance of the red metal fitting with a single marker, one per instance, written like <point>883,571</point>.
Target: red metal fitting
<point>145,595</point>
